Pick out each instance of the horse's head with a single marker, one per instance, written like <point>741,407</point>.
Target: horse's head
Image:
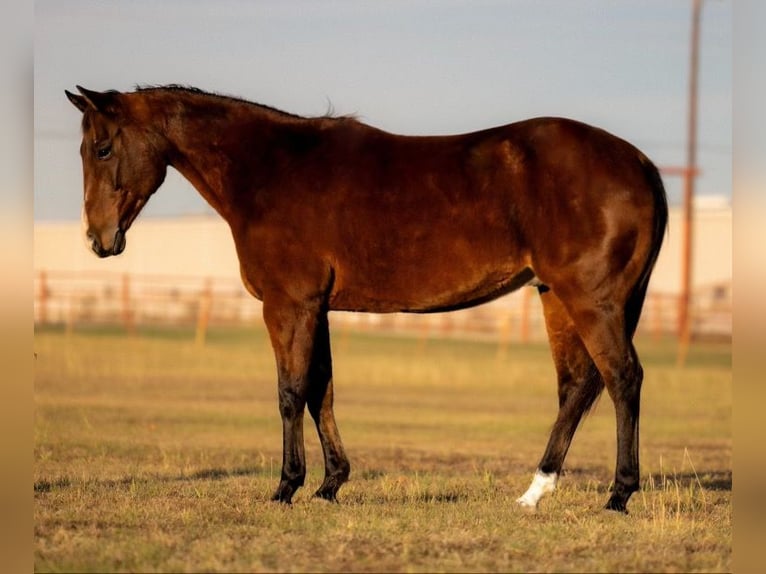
<point>123,163</point>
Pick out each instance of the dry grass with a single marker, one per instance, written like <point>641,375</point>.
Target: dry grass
<point>152,454</point>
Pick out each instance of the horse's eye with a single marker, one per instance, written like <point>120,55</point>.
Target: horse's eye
<point>104,152</point>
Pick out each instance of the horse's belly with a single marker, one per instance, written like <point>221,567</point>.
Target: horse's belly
<point>417,291</point>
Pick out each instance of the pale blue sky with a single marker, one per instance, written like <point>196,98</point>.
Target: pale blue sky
<point>414,66</point>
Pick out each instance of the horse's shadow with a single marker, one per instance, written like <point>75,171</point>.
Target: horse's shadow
<point>712,480</point>
<point>215,473</point>
<point>717,480</point>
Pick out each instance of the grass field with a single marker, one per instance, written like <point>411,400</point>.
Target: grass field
<point>153,454</point>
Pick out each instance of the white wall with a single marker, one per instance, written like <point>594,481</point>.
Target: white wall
<point>711,251</point>
<point>187,246</point>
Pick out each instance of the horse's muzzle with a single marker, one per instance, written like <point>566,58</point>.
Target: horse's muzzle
<point>117,247</point>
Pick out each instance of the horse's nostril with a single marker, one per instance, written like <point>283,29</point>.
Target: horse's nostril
<point>92,239</point>
<point>95,244</point>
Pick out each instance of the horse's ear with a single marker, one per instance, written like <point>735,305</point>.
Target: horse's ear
<point>79,102</point>
<point>104,102</point>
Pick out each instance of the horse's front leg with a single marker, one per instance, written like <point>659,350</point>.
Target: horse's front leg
<point>292,328</point>
<point>320,403</point>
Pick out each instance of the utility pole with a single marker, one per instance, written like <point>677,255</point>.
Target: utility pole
<point>690,172</point>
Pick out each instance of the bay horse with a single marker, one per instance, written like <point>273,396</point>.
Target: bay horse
<point>329,213</point>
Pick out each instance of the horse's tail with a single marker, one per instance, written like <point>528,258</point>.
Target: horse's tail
<point>636,299</point>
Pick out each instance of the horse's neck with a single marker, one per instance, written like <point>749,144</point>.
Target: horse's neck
<point>195,153</point>
<point>207,137</point>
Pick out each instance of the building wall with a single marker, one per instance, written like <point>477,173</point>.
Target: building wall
<point>711,252</point>
<point>186,246</point>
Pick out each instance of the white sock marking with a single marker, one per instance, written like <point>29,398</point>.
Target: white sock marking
<point>542,484</point>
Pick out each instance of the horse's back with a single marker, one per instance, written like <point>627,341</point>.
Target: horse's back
<point>429,223</point>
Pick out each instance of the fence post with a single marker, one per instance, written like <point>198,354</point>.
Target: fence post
<point>524,323</point>
<point>42,304</point>
<point>127,311</point>
<point>70,311</point>
<point>203,314</point>
<point>504,334</point>
<point>685,333</point>
<point>656,305</point>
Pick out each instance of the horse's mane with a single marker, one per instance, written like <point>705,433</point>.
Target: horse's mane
<point>193,91</point>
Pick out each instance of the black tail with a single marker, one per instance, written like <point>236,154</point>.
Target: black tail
<point>636,300</point>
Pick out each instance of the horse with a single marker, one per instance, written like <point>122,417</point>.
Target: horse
<point>329,213</point>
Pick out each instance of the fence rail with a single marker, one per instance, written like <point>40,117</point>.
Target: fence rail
<point>131,300</point>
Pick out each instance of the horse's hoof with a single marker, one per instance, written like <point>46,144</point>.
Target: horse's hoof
<point>283,494</point>
<point>328,495</point>
<point>278,498</point>
<point>526,505</point>
<point>616,504</point>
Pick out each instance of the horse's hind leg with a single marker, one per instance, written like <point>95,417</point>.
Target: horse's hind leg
<point>606,331</point>
<point>320,403</point>
<point>579,384</point>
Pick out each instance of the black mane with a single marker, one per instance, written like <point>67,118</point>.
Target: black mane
<point>191,90</point>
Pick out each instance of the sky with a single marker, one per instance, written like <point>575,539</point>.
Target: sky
<point>406,66</point>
